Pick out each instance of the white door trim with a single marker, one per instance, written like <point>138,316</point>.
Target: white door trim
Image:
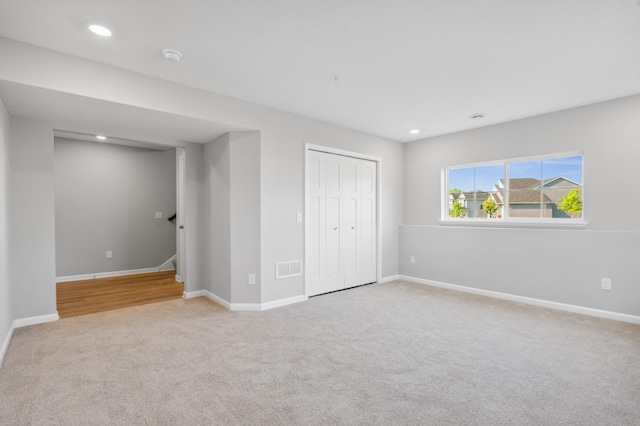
<point>312,147</point>
<point>181,246</point>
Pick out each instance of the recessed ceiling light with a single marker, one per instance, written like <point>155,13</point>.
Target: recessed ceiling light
<point>172,55</point>
<point>100,30</point>
<point>101,138</point>
<point>477,116</point>
<point>414,131</point>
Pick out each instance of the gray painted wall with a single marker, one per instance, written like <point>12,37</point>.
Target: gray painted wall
<point>106,199</point>
<point>31,218</point>
<point>232,193</point>
<point>218,211</point>
<point>556,265</point>
<point>32,251</point>
<point>6,300</point>
<point>282,149</point>
<point>282,139</point>
<point>245,216</point>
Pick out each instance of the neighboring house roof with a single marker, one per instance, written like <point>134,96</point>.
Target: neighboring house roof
<point>557,178</point>
<point>479,195</point>
<point>525,196</point>
<point>521,183</point>
<point>531,183</point>
<point>526,190</point>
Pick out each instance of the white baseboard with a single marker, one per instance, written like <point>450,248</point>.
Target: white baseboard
<point>168,265</point>
<point>179,278</point>
<point>205,293</point>
<point>388,279</point>
<point>105,275</point>
<point>283,302</point>
<point>5,344</point>
<point>528,300</point>
<point>23,322</point>
<point>244,307</point>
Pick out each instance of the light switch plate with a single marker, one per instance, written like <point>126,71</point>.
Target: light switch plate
<point>158,215</point>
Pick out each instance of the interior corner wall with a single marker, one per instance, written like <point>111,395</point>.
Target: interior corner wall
<point>32,271</point>
<point>562,266</point>
<point>106,199</point>
<point>6,299</point>
<point>217,211</point>
<point>245,216</point>
<point>232,227</point>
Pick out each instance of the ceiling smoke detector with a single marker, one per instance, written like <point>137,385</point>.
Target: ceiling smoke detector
<point>172,55</point>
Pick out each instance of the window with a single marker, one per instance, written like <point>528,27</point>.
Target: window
<point>539,189</point>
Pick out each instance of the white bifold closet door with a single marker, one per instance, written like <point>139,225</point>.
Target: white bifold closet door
<point>341,222</point>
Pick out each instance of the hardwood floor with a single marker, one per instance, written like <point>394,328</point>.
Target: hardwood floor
<point>104,294</point>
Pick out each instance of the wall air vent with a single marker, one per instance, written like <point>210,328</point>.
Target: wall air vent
<point>292,268</point>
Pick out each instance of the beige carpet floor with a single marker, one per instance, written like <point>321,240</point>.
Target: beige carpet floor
<point>384,354</point>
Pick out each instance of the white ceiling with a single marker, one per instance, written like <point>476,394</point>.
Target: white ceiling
<point>403,64</point>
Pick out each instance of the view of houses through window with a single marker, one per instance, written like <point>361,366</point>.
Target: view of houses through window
<point>541,188</point>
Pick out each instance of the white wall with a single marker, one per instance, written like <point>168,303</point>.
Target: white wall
<point>562,266</point>
<point>6,305</point>
<point>32,271</point>
<point>106,199</point>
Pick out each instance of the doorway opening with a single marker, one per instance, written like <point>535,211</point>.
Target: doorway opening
<point>119,223</point>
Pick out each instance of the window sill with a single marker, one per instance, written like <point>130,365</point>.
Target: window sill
<point>519,224</point>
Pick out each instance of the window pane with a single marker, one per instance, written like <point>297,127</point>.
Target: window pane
<point>525,192</point>
<point>487,181</point>
<point>460,181</point>
<point>549,188</point>
<point>562,184</point>
<point>470,187</point>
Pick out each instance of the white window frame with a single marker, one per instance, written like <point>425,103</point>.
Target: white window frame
<point>507,222</point>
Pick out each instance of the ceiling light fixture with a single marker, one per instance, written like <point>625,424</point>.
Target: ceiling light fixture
<point>477,116</point>
<point>414,131</point>
<point>172,55</point>
<point>101,138</point>
<point>100,30</point>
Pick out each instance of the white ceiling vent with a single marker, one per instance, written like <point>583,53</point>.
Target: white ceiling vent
<point>292,268</point>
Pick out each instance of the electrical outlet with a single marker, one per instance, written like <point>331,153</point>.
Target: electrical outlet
<point>252,279</point>
<point>412,259</point>
<point>605,284</point>
<point>109,254</point>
